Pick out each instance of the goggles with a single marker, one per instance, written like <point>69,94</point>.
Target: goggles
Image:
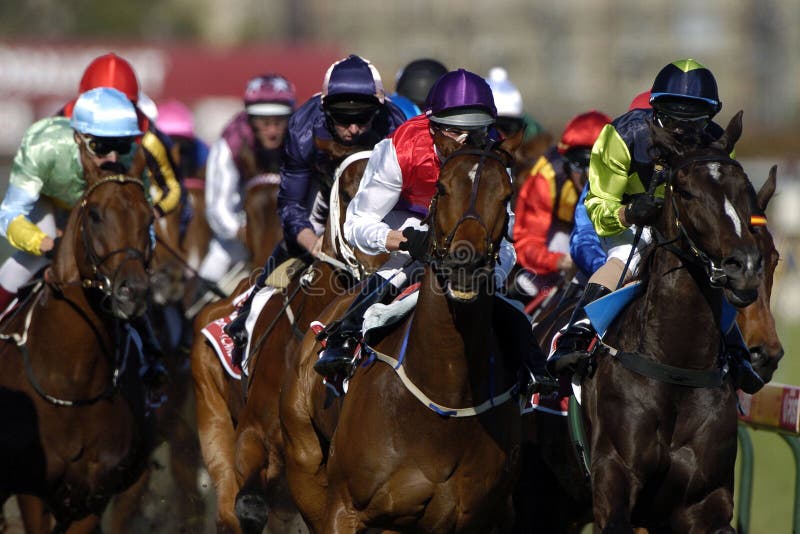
<point>103,146</point>
<point>509,126</point>
<point>346,118</point>
<point>578,159</point>
<point>672,122</point>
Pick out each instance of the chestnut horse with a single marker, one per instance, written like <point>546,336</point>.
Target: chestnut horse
<point>553,494</point>
<point>661,414</point>
<point>386,458</point>
<point>241,443</point>
<point>72,402</point>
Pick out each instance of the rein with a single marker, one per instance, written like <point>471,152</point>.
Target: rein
<point>440,252</point>
<point>99,280</point>
<point>716,276</point>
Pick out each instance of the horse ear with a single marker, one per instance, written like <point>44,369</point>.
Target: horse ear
<point>511,144</point>
<point>91,172</point>
<point>732,134</point>
<point>767,190</point>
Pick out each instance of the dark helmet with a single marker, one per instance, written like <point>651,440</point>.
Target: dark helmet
<point>461,98</point>
<point>686,89</point>
<point>352,87</point>
<point>416,79</point>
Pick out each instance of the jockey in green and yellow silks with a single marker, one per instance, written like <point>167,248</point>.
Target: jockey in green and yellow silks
<point>622,173</point>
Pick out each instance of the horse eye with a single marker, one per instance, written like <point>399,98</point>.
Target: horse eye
<point>94,214</point>
<point>440,190</point>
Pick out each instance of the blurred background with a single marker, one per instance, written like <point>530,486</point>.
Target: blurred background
<point>565,57</point>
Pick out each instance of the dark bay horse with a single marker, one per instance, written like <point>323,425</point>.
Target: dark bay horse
<point>383,459</point>
<point>73,408</point>
<point>242,442</point>
<point>661,418</point>
<point>553,495</point>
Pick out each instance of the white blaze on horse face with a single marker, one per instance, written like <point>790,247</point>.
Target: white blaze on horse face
<point>473,172</point>
<point>713,169</point>
<point>730,211</point>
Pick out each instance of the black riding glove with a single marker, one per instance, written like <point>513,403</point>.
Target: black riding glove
<point>643,209</point>
<point>416,243</point>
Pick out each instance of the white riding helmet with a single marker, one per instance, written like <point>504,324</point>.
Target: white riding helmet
<point>507,97</point>
<point>105,112</point>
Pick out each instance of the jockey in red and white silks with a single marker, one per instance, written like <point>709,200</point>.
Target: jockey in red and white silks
<point>395,192</point>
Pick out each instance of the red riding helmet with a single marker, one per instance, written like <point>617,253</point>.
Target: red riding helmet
<point>582,130</point>
<point>110,70</point>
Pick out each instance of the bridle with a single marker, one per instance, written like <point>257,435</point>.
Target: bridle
<point>99,280</point>
<point>440,247</point>
<point>716,275</point>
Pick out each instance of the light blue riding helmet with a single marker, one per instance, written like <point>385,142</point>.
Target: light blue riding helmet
<point>105,112</point>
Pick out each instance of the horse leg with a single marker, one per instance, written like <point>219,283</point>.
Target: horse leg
<point>184,455</point>
<point>340,517</point>
<point>216,432</point>
<point>251,458</point>
<point>128,503</point>
<point>88,525</point>
<point>35,516</point>
<point>612,493</point>
<point>713,514</point>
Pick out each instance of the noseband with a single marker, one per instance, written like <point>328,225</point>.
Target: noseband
<point>716,275</point>
<point>100,280</point>
<point>440,253</point>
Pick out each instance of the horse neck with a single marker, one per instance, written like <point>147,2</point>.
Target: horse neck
<point>453,343</point>
<point>680,311</point>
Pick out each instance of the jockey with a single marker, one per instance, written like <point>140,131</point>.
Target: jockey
<point>413,83</point>
<point>175,120</point>
<point>546,203</point>
<point>511,117</point>
<point>684,99</point>
<point>352,110</point>
<point>259,131</point>
<point>189,152</point>
<point>584,244</point>
<point>47,175</point>
<point>394,196</point>
<point>110,70</point>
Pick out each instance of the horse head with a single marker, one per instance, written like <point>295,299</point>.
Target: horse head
<point>468,218</point>
<point>708,207</point>
<point>756,320</point>
<point>107,241</point>
<point>350,161</point>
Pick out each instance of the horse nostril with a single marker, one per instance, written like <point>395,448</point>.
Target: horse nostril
<point>732,264</point>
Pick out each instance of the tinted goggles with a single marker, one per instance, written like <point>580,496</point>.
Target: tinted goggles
<point>352,117</point>
<point>103,146</point>
<point>578,159</point>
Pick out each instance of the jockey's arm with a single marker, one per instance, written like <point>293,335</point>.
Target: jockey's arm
<point>377,194</point>
<point>608,181</point>
<point>294,188</point>
<point>162,170</point>
<point>222,191</point>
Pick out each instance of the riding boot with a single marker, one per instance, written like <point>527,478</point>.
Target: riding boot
<point>343,338</point>
<point>154,374</point>
<point>515,336</point>
<point>743,375</point>
<point>236,328</point>
<point>572,345</point>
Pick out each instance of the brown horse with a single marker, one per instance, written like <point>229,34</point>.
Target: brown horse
<point>241,443</point>
<point>553,495</point>
<point>71,397</point>
<point>394,462</point>
<point>662,416</point>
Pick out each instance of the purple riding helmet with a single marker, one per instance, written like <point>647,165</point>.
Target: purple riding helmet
<point>462,99</point>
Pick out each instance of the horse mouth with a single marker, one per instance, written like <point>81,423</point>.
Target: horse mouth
<point>460,295</point>
<point>741,297</point>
